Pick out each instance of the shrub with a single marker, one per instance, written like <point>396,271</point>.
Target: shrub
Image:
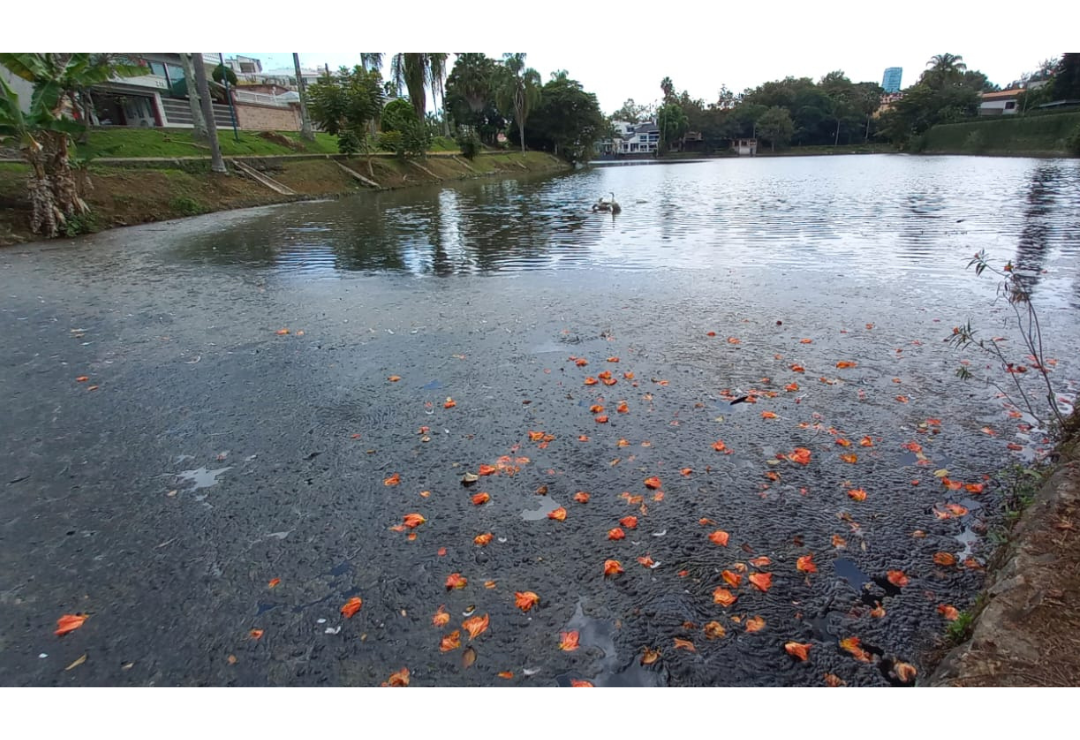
<point>468,142</point>
<point>392,141</point>
<point>1072,144</point>
<point>186,206</point>
<point>975,142</point>
<point>397,115</point>
<point>84,223</point>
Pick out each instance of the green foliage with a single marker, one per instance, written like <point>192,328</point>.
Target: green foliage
<point>975,142</point>
<point>959,629</point>
<point>1037,134</point>
<point>344,104</point>
<point>415,140</point>
<point>468,142</point>
<point>417,72</point>
<point>632,112</point>
<point>187,206</point>
<point>392,141</point>
<point>397,115</point>
<point>567,120</point>
<point>470,96</point>
<point>79,224</point>
<point>221,73</point>
<point>1072,144</point>
<point>673,124</point>
<point>1066,81</point>
<point>776,126</point>
<point>517,89</point>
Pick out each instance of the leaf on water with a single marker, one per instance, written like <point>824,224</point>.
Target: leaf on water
<point>761,581</point>
<point>569,641</point>
<point>581,684</point>
<point>944,558</point>
<point>393,480</point>
<point>412,521</point>
<point>843,364</point>
<point>450,642</point>
<point>558,514</point>
<point>798,650</point>
<point>630,522</point>
<point>525,600</point>
<point>481,498</point>
<point>760,562</point>
<point>506,674</point>
<point>612,567</point>
<point>850,458</point>
<point>897,578</point>
<point>255,634</point>
<point>475,626</point>
<point>714,630</point>
<point>450,403</point>
<point>581,497</point>
<point>441,618</point>
<point>878,611</point>
<point>731,579</point>
<point>724,597</point>
<point>949,612</point>
<point>273,583</point>
<point>806,564</point>
<point>768,415</point>
<point>482,540</point>
<point>647,561</point>
<point>69,623</point>
<point>77,662</point>
<point>681,644</point>
<point>394,378</point>
<point>456,580</point>
<point>905,671</point>
<point>401,678</point>
<point>652,482</point>
<point>352,606</point>
<point>857,494</point>
<point>755,624</point>
<point>616,534</point>
<point>468,657</point>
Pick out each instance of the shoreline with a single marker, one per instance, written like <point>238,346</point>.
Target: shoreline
<point>161,189</point>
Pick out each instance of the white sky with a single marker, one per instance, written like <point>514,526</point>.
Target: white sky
<point>617,50</point>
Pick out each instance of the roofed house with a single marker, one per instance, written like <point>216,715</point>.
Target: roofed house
<point>1001,103</point>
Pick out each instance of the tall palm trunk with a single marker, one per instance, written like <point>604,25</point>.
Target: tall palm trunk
<point>217,164</point>
<point>198,123</point>
<point>305,123</point>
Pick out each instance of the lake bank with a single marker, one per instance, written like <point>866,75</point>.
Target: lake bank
<point>1024,623</point>
<point>1046,135</point>
<point>146,190</point>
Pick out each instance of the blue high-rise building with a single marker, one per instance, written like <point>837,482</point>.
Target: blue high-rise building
<point>891,81</point>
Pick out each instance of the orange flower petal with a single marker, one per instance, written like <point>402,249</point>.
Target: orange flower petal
<point>525,600</point>
<point>558,514</point>
<point>798,650</point>
<point>761,581</point>
<point>352,606</point>
<point>456,580</point>
<point>69,623</point>
<point>569,641</point>
<point>476,626</point>
<point>719,537</point>
<point>612,567</point>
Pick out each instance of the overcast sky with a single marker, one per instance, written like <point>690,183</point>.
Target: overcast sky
<point>614,76</point>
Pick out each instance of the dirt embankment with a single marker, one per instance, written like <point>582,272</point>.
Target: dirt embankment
<point>1028,630</point>
<point>156,190</point>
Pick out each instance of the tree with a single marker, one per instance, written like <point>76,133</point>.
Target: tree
<point>672,123</point>
<point>866,99</point>
<point>518,89</point>
<point>305,122</point>
<point>470,95</point>
<point>222,73</point>
<point>567,119</point>
<point>944,66</point>
<point>43,135</point>
<point>344,104</point>
<point>416,73</point>
<point>631,112</point>
<point>1066,81</point>
<point>838,88</point>
<point>197,121</point>
<point>776,127</point>
<point>217,164</point>
<point>668,88</point>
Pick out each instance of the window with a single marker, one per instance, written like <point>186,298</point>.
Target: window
<point>157,68</point>
<point>1010,105</point>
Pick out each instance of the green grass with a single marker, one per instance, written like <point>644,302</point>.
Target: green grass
<point>157,142</point>
<point>1044,134</point>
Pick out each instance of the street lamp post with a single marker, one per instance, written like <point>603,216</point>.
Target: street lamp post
<point>228,95</point>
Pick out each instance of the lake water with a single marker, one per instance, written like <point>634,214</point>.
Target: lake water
<point>819,293</point>
<point>866,214</point>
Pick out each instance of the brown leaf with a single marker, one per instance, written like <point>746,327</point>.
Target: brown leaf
<point>681,644</point>
<point>649,656</point>
<point>755,624</point>
<point>77,662</point>
<point>798,650</point>
<point>468,657</point>
<point>714,630</point>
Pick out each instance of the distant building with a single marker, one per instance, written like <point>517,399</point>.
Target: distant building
<point>641,138</point>
<point>1001,103</point>
<point>891,80</point>
<point>744,147</point>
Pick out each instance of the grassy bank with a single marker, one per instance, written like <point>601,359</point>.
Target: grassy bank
<point>816,151</point>
<point>126,196</point>
<point>1045,135</point>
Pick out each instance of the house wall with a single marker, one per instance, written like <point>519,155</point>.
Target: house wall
<point>253,117</point>
<point>997,108</point>
<point>21,87</point>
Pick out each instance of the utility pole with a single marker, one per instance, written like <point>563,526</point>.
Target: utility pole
<point>305,123</point>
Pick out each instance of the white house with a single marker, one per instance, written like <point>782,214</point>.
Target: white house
<point>1001,103</point>
<point>631,138</point>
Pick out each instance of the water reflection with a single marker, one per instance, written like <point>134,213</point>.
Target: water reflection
<point>871,214</point>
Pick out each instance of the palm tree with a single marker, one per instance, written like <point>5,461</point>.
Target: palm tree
<point>305,123</point>
<point>945,64</point>
<point>43,134</point>
<point>370,61</point>
<point>518,90</point>
<point>198,123</point>
<point>416,73</point>
<point>217,164</point>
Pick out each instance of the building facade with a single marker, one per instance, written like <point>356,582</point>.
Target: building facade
<point>1002,103</point>
<point>891,80</point>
